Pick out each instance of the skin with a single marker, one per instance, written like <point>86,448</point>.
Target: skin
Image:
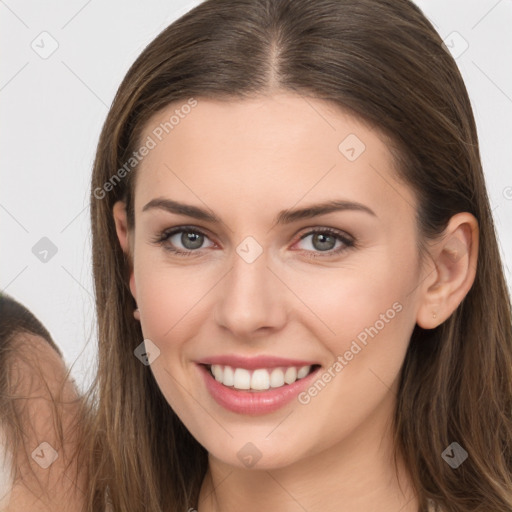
<point>40,375</point>
<point>246,161</point>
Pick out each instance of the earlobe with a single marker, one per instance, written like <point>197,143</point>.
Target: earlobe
<point>455,258</point>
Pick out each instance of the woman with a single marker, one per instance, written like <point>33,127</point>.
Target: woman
<point>386,315</point>
<point>300,297</point>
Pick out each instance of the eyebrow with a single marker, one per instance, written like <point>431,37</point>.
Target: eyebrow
<point>284,217</point>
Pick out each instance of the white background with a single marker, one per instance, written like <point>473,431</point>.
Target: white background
<point>53,110</point>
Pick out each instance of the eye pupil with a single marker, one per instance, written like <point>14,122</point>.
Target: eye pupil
<point>191,240</point>
<point>325,243</point>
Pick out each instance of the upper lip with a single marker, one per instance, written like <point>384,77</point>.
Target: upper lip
<point>253,363</point>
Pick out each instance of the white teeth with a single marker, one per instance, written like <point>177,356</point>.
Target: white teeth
<point>260,379</point>
<point>229,376</point>
<point>217,372</point>
<point>277,378</point>
<point>290,375</point>
<point>242,379</point>
<point>303,372</point>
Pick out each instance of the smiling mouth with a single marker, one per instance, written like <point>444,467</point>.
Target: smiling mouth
<point>260,379</point>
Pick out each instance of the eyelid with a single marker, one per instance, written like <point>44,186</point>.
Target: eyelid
<point>163,236</point>
<point>347,239</point>
<point>178,229</point>
<point>324,229</point>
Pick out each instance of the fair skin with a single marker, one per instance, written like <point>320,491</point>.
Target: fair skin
<point>245,161</point>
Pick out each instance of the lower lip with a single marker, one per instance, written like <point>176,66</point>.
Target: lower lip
<point>254,402</point>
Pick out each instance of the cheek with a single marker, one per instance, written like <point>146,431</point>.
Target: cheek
<point>167,296</point>
<point>355,302</point>
<point>370,321</point>
<point>169,299</point>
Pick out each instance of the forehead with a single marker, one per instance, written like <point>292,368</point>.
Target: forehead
<point>266,150</point>
<point>278,124</point>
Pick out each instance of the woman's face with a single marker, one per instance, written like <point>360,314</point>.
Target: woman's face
<point>272,238</point>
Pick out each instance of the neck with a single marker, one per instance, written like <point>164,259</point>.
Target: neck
<point>356,475</point>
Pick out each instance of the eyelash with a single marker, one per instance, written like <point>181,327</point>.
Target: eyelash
<point>164,236</point>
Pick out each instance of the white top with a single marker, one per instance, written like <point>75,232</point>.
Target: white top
<point>6,477</point>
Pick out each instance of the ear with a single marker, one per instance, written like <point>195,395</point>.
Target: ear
<point>454,255</point>
<point>125,237</point>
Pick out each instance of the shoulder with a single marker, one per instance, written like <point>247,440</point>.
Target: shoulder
<point>40,412</point>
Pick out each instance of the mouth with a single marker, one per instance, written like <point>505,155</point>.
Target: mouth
<point>259,379</point>
<point>259,390</point>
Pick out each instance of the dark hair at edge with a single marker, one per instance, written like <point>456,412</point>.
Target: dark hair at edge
<point>383,62</point>
<point>17,324</point>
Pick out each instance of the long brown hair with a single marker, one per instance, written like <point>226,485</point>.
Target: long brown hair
<point>382,61</point>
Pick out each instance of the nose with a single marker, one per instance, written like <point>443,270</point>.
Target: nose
<point>252,300</point>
